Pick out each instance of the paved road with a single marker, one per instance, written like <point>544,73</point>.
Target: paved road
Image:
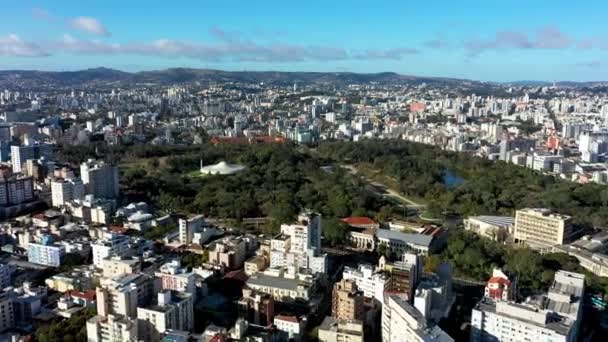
<point>385,191</point>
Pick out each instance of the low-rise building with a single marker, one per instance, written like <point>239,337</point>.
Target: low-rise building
<point>283,286</point>
<point>291,328</point>
<point>229,252</point>
<point>340,330</point>
<point>111,328</point>
<point>497,228</point>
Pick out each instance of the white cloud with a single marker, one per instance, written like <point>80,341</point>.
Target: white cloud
<point>13,46</point>
<point>90,25</point>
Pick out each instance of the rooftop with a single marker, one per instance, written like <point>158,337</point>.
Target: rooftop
<point>416,239</point>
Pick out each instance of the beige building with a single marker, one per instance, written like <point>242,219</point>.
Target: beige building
<point>111,329</point>
<point>542,229</point>
<point>118,266</point>
<point>255,264</point>
<point>333,330</point>
<point>347,301</point>
<point>228,252</point>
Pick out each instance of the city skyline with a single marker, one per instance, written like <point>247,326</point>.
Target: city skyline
<point>469,40</point>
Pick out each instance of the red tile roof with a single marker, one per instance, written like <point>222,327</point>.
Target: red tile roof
<point>292,319</point>
<point>358,220</point>
<point>499,280</point>
<point>89,295</point>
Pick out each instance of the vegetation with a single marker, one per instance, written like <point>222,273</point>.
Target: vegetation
<point>279,181</point>
<point>70,330</point>
<point>488,188</point>
<point>192,260</point>
<point>159,232</point>
<point>335,231</point>
<point>474,257</point>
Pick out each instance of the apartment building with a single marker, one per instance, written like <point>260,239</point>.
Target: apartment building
<point>542,229</point>
<point>347,301</point>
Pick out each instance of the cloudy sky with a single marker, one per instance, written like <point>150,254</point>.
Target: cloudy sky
<point>485,40</point>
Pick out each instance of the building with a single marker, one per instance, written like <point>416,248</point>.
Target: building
<point>117,266</point>
<point>402,322</point>
<point>542,229</point>
<point>111,328</point>
<point>21,154</point>
<point>16,190</point>
<point>404,274</point>
<point>173,310</point>
<point>500,287</point>
<point>290,328</point>
<point>230,252</point>
<point>555,316</point>
<point>590,250</point>
<point>372,283</point>
<point>6,273</point>
<point>7,316</point>
<point>187,227</point>
<point>299,245</point>
<point>65,190</point>
<point>339,330</point>
<point>46,252</point>
<point>111,244</point>
<point>283,286</point>
<point>256,308</point>
<point>175,277</point>
<point>100,179</point>
<point>399,243</point>
<point>122,295</point>
<point>497,228</point>
<point>347,301</point>
<point>255,264</point>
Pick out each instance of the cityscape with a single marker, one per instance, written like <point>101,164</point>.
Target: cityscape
<point>253,190</point>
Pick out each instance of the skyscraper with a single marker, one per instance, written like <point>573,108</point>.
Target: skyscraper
<point>100,179</point>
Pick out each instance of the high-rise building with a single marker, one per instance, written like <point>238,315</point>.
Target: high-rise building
<point>552,317</point>
<point>21,154</point>
<point>6,272</point>
<point>16,190</point>
<point>64,190</point>
<point>122,296</point>
<point>175,277</point>
<point>100,179</point>
<point>402,322</point>
<point>187,228</point>
<point>543,229</point>
<point>347,301</point>
<point>256,308</point>
<point>7,315</point>
<point>173,310</point>
<point>404,274</point>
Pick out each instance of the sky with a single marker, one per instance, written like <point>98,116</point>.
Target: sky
<point>486,40</point>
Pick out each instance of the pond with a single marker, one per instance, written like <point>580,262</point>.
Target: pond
<point>450,179</point>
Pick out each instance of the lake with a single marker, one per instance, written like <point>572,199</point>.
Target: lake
<point>450,179</point>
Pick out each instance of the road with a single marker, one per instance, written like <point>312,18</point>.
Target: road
<point>385,191</point>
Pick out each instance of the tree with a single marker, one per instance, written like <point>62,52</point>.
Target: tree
<point>335,231</point>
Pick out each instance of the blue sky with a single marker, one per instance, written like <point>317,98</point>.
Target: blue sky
<point>484,40</point>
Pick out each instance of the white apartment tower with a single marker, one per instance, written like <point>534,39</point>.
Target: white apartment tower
<point>100,179</point>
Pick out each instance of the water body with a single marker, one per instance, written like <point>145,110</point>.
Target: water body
<point>450,179</point>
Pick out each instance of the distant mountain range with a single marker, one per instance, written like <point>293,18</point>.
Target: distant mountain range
<point>115,78</point>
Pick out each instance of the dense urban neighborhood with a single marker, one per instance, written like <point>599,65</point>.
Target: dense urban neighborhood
<point>202,205</point>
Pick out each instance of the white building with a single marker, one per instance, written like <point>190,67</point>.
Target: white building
<point>290,326</point>
<point>332,330</point>
<point>188,227</point>
<point>65,190</point>
<point>497,228</point>
<point>173,310</point>
<point>175,277</point>
<point>111,244</point>
<point>21,154</point>
<point>299,245</point>
<point>45,253</point>
<point>554,317</point>
<point>372,283</point>
<point>401,322</point>
<point>100,179</point>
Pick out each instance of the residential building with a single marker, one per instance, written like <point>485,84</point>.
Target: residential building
<point>290,328</point>
<point>116,266</point>
<point>46,252</point>
<point>6,272</point>
<point>175,277</point>
<point>340,330</point>
<point>229,252</point>
<point>122,295</point>
<point>187,227</point>
<point>173,310</point>
<point>65,190</point>
<point>16,190</point>
<point>111,328</point>
<point>21,154</point>
<point>111,244</point>
<point>7,315</point>
<point>404,274</point>
<point>100,179</point>
<point>255,264</point>
<point>543,229</point>
<point>373,283</point>
<point>347,301</point>
<point>500,287</point>
<point>555,316</point>
<point>401,322</point>
<point>256,308</point>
